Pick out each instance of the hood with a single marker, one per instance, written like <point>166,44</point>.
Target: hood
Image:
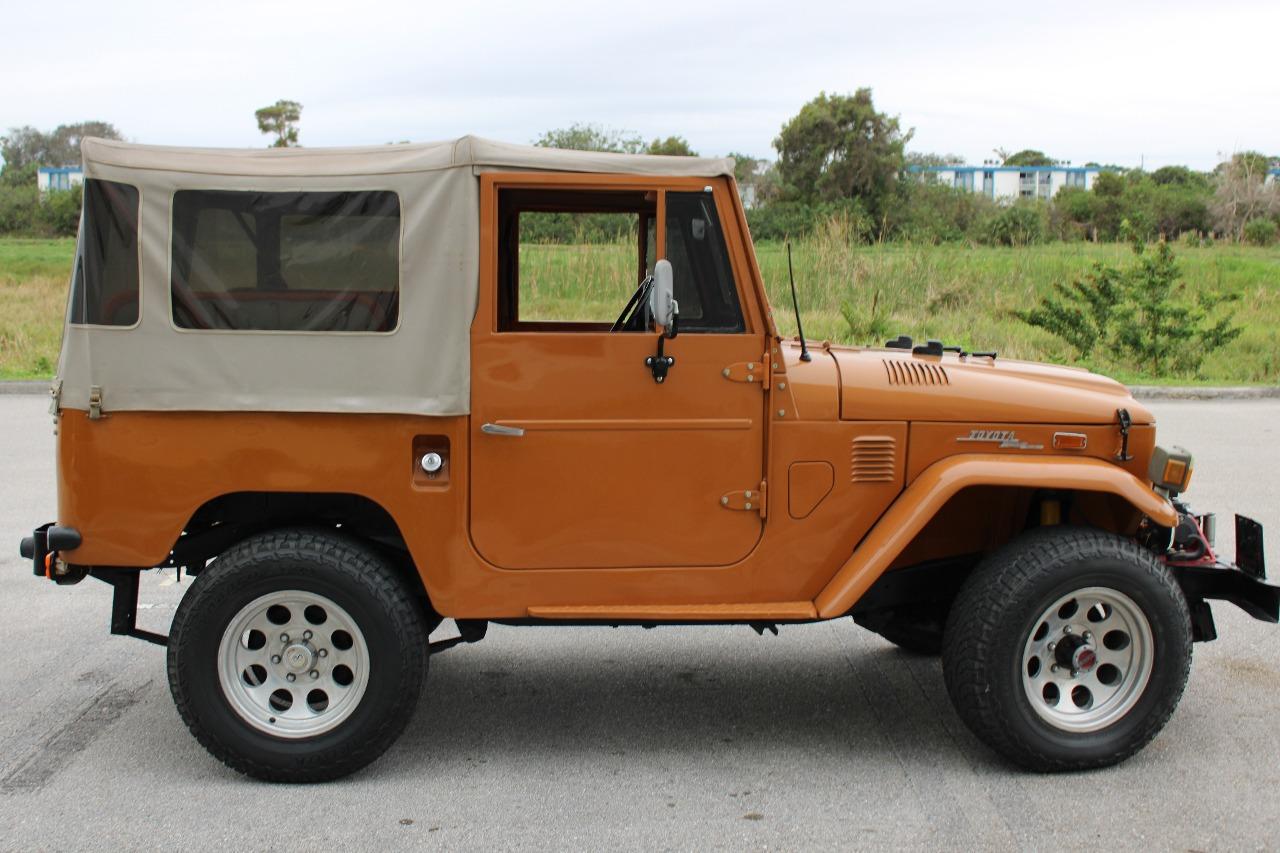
<point>893,384</point>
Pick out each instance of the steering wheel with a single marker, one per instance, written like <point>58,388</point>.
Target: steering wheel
<point>634,316</point>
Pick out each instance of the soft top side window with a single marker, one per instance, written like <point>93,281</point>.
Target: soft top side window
<point>286,261</point>
<point>104,284</point>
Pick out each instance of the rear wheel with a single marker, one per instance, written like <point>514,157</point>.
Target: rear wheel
<point>297,656</point>
<point>1067,649</point>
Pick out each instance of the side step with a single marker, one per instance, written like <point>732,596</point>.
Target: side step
<point>786,611</point>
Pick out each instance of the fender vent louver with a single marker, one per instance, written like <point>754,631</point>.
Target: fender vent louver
<point>914,373</point>
<point>874,459</point>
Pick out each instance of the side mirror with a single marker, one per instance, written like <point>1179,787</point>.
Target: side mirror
<point>663,307</point>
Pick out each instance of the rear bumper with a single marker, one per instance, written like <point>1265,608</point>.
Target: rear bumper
<point>42,548</point>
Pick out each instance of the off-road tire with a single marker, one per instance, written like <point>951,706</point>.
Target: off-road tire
<point>992,619</point>
<point>349,573</point>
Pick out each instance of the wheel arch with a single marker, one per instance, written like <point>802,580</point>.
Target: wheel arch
<point>227,519</point>
<point>947,484</point>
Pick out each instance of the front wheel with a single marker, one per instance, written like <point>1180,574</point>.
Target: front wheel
<point>297,656</point>
<point>1067,649</point>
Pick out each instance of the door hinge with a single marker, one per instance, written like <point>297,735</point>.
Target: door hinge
<point>749,371</point>
<point>750,500</point>
<point>95,402</point>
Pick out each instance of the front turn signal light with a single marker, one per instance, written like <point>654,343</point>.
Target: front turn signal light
<point>1171,469</point>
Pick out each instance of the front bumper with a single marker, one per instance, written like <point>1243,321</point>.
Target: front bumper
<point>1242,583</point>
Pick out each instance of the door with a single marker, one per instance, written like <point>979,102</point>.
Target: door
<point>579,458</point>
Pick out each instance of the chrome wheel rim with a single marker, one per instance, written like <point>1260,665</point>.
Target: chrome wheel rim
<point>1087,659</point>
<point>293,664</point>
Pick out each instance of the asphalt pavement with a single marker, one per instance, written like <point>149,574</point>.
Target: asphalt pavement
<point>675,738</point>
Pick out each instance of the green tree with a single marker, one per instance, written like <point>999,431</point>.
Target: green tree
<point>1027,157</point>
<point>58,213</point>
<point>1072,213</point>
<point>931,212</point>
<point>745,167</point>
<point>1108,205</point>
<point>675,146</point>
<point>759,174</point>
<point>1139,313</point>
<point>280,119</point>
<point>1245,164</point>
<point>593,137</point>
<point>1180,207</point>
<point>1160,329</point>
<point>929,159</point>
<point>841,147</point>
<point>1261,232</point>
<point>1019,224</point>
<point>25,148</point>
<point>1080,312</point>
<point>1179,176</point>
<point>1241,193</point>
<point>19,206</point>
<point>18,176</point>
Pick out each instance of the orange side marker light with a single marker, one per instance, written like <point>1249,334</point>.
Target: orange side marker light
<point>1070,441</point>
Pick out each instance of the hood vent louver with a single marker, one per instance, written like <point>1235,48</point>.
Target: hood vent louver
<point>902,372</point>
<point>874,459</point>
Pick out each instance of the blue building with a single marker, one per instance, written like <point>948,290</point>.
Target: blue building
<point>1010,182</point>
<point>57,178</point>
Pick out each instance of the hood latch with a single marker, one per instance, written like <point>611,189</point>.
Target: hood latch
<point>1122,415</point>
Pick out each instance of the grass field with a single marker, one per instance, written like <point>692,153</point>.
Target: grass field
<point>960,294</point>
<point>33,297</point>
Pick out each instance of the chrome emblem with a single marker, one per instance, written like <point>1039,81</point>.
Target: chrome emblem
<point>1004,438</point>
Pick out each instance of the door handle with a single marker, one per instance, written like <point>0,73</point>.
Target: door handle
<point>499,429</point>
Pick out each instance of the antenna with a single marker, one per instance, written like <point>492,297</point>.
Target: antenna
<point>795,303</point>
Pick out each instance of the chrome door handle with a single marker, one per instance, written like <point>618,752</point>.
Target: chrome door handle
<point>499,429</point>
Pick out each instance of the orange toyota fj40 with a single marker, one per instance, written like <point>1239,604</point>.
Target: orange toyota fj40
<point>345,391</point>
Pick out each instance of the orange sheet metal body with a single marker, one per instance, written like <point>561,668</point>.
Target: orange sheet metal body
<point>624,498</point>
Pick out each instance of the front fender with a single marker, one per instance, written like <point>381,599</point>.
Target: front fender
<point>938,483</point>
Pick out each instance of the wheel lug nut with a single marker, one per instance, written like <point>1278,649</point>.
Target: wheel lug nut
<point>1052,646</point>
<point>1066,629</point>
<point>324,653</point>
<point>306,635</point>
<point>314,674</point>
<point>284,638</point>
<point>290,677</point>
<point>1087,636</point>
<point>275,658</point>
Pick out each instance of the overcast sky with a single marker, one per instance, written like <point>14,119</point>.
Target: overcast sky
<point>1115,82</point>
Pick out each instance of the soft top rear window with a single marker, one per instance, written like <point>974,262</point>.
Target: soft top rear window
<point>104,283</point>
<point>286,261</point>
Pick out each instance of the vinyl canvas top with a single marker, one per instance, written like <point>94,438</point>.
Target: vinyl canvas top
<point>464,152</point>
<point>196,295</point>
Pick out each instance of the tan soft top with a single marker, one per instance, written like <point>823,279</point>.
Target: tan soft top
<point>422,367</point>
<point>467,151</point>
